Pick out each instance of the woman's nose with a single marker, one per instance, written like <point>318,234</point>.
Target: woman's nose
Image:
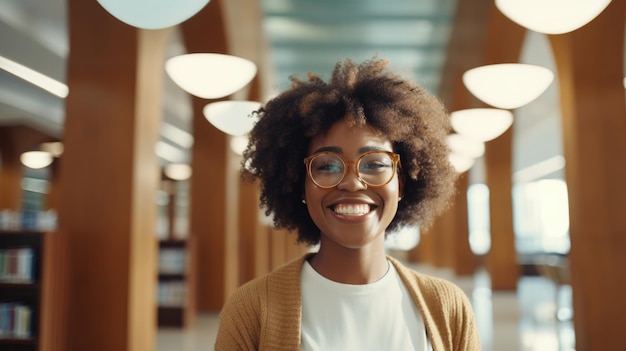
<point>351,180</point>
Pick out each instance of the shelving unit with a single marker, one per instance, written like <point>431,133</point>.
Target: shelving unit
<point>176,283</point>
<point>28,294</point>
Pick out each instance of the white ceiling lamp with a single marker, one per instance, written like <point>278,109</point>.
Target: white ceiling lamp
<point>178,171</point>
<point>55,148</point>
<point>210,76</point>
<point>238,144</point>
<point>482,124</point>
<point>508,85</point>
<point>36,159</point>
<point>153,14</point>
<point>552,16</point>
<point>461,163</point>
<point>232,117</point>
<point>462,145</point>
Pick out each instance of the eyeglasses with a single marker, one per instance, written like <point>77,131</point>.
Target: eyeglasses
<point>375,168</point>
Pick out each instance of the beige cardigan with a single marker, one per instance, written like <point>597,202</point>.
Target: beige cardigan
<point>264,314</point>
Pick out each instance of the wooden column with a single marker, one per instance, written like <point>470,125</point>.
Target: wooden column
<point>278,254</point>
<point>501,260</point>
<point>425,252</point>
<point>108,179</point>
<point>590,71</point>
<point>11,173</point>
<point>216,251</point>
<point>484,36</point>
<point>464,260</point>
<point>254,243</point>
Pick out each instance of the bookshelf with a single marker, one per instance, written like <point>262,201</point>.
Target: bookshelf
<point>26,295</point>
<point>176,283</point>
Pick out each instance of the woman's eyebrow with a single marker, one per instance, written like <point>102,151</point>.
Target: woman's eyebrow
<point>334,149</point>
<point>371,148</point>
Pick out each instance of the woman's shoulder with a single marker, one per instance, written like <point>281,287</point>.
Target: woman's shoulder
<point>285,278</point>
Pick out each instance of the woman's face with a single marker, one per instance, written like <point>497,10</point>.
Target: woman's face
<point>351,214</point>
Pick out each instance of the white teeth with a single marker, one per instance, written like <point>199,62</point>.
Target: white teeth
<point>352,209</point>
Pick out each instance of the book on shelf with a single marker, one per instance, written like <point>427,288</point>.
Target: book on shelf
<point>17,265</point>
<point>172,260</point>
<point>171,294</point>
<point>15,321</point>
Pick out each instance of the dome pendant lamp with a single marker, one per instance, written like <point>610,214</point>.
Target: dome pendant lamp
<point>232,117</point>
<point>508,85</point>
<point>153,14</point>
<point>552,16</point>
<point>210,76</point>
<point>482,124</point>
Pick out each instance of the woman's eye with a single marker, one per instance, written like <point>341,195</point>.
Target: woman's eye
<point>328,167</point>
<point>375,165</point>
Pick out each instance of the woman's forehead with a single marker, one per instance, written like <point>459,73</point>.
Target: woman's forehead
<point>350,139</point>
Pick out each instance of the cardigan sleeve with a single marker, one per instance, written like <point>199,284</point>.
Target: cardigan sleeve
<point>240,320</point>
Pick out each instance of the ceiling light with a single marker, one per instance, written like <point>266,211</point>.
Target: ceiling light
<point>36,159</point>
<point>210,76</point>
<point>551,16</point>
<point>55,148</point>
<point>44,82</point>
<point>176,135</point>
<point>169,153</point>
<point>178,171</point>
<point>507,85</point>
<point>482,124</point>
<point>465,146</point>
<point>232,117</point>
<point>461,163</point>
<point>153,14</point>
<point>238,144</point>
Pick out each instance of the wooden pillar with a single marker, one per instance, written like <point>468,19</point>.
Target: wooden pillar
<point>216,261</point>
<point>501,260</point>
<point>254,244</point>
<point>485,36</point>
<point>424,252</point>
<point>108,179</point>
<point>10,176</point>
<point>464,260</point>
<point>590,71</point>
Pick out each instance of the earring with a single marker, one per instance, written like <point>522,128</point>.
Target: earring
<point>303,201</point>
<point>399,198</point>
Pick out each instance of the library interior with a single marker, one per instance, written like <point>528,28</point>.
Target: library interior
<point>125,223</point>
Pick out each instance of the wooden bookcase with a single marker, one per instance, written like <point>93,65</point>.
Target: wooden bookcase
<point>176,283</point>
<point>36,295</point>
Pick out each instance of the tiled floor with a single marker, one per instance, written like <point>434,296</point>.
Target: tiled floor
<point>525,320</point>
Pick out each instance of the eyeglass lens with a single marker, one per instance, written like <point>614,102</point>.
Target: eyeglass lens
<point>375,168</point>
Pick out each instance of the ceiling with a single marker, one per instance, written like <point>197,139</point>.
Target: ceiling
<point>302,36</point>
<point>312,36</point>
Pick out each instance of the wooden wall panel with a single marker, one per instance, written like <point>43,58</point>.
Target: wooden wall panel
<point>108,179</point>
<point>590,71</point>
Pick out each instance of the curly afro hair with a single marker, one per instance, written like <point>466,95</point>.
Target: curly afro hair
<point>415,122</point>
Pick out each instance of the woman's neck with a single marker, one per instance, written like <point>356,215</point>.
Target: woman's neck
<point>350,266</point>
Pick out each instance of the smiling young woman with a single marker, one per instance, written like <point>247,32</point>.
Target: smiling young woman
<point>343,164</point>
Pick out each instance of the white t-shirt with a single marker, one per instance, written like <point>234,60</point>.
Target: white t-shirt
<point>376,316</point>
